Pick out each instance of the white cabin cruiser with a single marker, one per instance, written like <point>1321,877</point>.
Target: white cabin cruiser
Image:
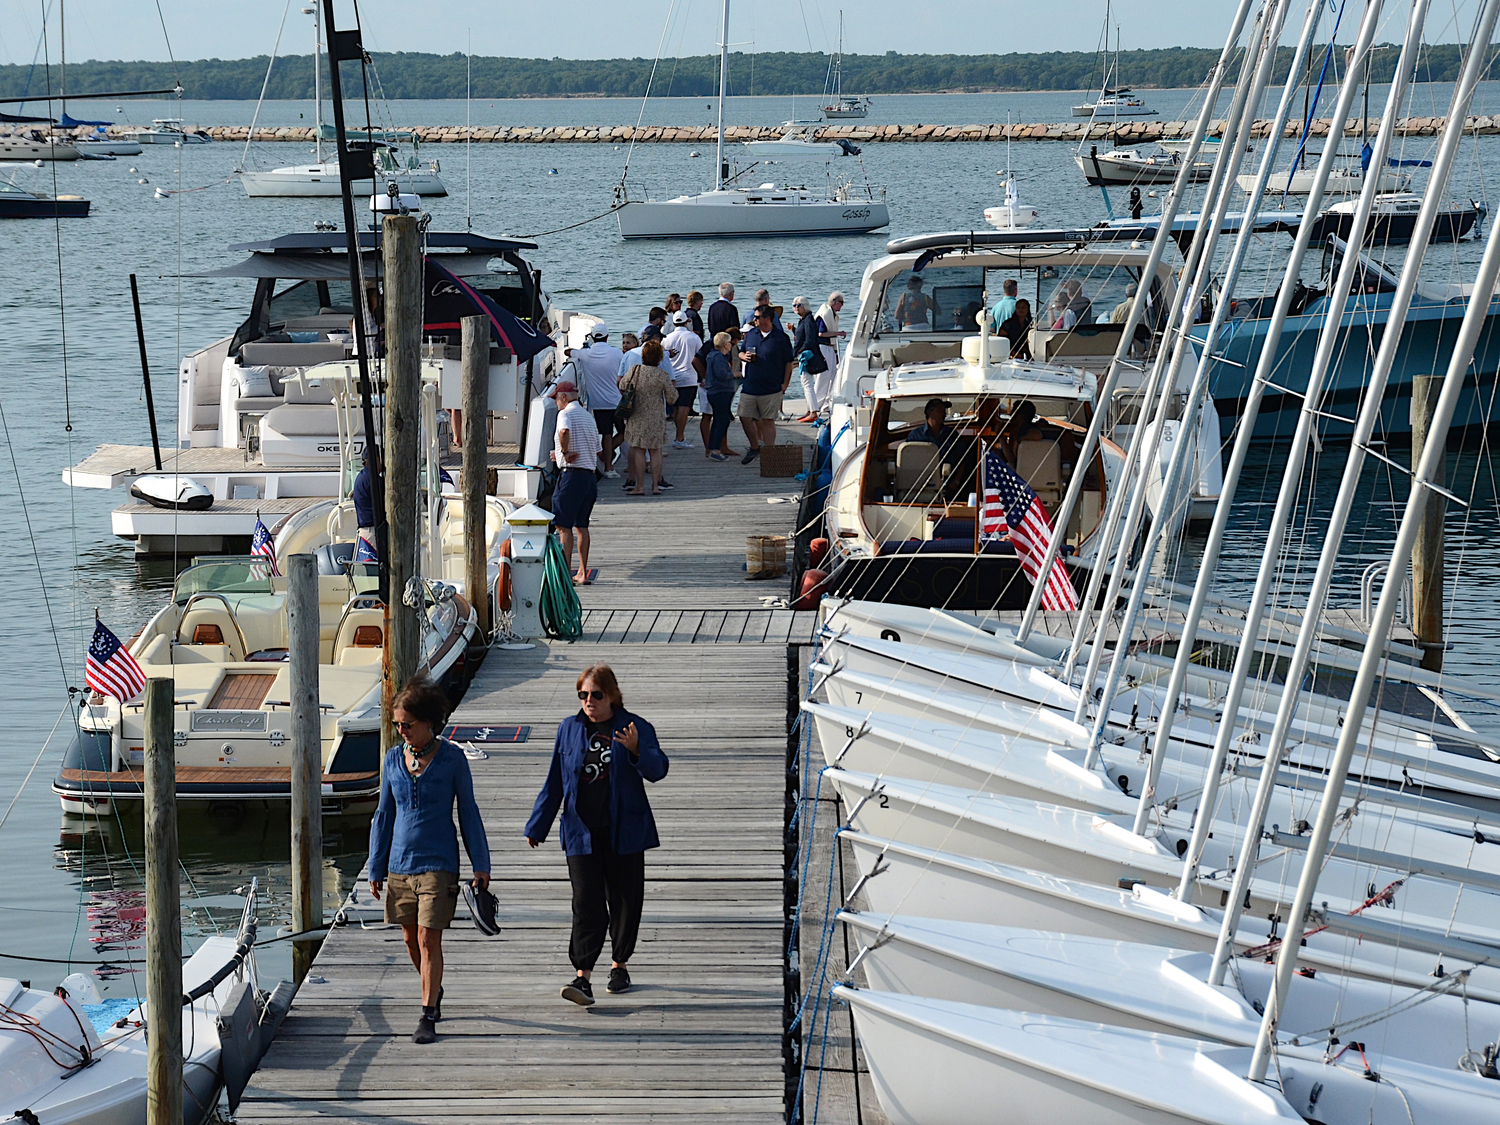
<point>320,179</point>
<point>268,420</point>
<point>168,131</point>
<point>799,139</point>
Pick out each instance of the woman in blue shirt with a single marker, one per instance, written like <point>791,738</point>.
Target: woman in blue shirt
<point>607,824</point>
<point>413,847</point>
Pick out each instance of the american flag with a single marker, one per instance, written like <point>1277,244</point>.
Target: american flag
<point>1011,510</point>
<point>110,669</point>
<point>261,544</point>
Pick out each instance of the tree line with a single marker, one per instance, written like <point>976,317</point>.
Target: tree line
<point>412,75</point>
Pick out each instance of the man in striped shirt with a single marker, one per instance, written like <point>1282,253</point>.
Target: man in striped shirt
<point>576,455</point>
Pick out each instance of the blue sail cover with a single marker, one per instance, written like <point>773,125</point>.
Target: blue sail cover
<point>449,298</point>
<point>71,123</point>
<point>22,119</point>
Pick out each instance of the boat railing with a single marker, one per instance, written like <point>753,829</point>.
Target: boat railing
<point>243,946</point>
<point>1375,576</point>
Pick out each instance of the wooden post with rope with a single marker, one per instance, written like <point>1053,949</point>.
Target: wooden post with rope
<point>402,245</point>
<point>307,758</point>
<point>476,439</point>
<point>163,912</point>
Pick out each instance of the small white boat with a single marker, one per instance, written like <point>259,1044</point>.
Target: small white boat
<point>798,140</point>
<point>1126,166</point>
<point>169,131</point>
<point>321,179</point>
<point>1012,214</point>
<point>33,145</point>
<point>847,108</point>
<point>64,1070</point>
<point>100,143</point>
<point>175,491</point>
<point>1115,103</point>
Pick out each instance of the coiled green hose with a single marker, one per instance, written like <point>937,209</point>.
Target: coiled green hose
<point>562,615</point>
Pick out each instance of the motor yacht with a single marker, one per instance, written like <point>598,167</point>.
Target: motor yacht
<point>168,131</point>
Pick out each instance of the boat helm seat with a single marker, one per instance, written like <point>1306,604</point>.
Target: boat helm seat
<point>208,623</point>
<point>361,633</point>
<point>919,475</point>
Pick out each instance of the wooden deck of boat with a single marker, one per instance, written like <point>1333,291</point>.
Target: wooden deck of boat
<point>699,1037</point>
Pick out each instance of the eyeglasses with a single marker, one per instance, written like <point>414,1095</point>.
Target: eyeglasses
<point>595,695</point>
<point>399,725</point>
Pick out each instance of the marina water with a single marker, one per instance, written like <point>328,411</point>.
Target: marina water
<point>70,890</point>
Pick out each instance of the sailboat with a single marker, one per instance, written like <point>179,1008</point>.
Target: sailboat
<point>841,106</point>
<point>320,179</point>
<point>730,210</point>
<point>1116,100</point>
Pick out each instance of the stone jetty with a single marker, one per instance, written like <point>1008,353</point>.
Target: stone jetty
<point>863,132</point>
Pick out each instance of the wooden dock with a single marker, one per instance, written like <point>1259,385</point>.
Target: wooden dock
<point>699,1037</point>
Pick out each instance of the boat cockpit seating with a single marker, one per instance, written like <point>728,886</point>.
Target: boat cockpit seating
<point>919,474</point>
<point>361,635</point>
<point>207,621</point>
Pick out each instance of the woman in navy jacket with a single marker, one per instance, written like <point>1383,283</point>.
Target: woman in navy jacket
<point>606,824</point>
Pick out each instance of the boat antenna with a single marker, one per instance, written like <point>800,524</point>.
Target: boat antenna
<point>317,82</point>
<point>347,45</point>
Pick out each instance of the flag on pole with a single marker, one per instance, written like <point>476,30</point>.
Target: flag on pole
<point>110,669</point>
<point>262,544</point>
<point>1011,510</point>
<point>364,551</point>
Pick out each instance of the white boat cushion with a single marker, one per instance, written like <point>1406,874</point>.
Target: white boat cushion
<point>294,419</point>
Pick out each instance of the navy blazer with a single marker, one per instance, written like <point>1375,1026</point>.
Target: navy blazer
<point>632,827</point>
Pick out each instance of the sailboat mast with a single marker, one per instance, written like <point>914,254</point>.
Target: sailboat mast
<point>62,39</point>
<point>317,84</point>
<point>721,171</point>
<point>838,63</point>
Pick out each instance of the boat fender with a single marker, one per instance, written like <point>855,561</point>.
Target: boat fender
<point>817,551</point>
<point>502,579</point>
<point>239,1039</point>
<point>812,589</point>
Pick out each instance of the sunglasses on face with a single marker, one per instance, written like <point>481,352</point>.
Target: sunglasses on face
<point>595,695</point>
<point>399,725</point>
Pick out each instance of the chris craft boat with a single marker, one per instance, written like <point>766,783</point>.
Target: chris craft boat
<point>222,639</point>
<point>268,421</point>
<point>1427,338</point>
<point>68,1058</point>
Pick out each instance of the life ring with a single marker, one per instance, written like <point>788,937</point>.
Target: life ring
<point>502,579</point>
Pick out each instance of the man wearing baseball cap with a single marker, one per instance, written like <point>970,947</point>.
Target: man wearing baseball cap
<point>682,346</point>
<point>576,452</point>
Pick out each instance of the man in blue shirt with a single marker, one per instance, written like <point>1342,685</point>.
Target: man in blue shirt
<point>767,355</point>
<point>1005,307</point>
<point>935,428</point>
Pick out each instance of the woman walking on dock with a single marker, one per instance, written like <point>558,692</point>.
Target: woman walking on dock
<point>607,824</point>
<point>413,847</point>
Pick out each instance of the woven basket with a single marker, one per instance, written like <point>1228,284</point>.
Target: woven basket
<point>780,460</point>
<point>765,556</point>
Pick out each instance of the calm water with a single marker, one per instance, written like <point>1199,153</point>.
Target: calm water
<point>70,893</point>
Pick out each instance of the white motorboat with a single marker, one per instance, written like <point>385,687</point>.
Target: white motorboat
<point>1127,166</point>
<point>799,140</point>
<point>1012,214</point>
<point>732,211</point>
<point>168,131</point>
<point>33,145</point>
<point>64,1070</point>
<point>268,420</point>
<point>913,880</point>
<point>1158,989</point>
<point>222,639</point>
<point>935,1062</point>
<point>100,143</point>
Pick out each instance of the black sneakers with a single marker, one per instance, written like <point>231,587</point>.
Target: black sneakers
<point>482,908</point>
<point>425,1032</point>
<point>619,979</point>
<point>437,1009</point>
<point>750,455</point>
<point>579,991</point>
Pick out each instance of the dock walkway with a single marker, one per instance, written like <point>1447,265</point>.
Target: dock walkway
<point>700,1035</point>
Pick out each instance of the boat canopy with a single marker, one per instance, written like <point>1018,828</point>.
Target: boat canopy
<point>320,255</point>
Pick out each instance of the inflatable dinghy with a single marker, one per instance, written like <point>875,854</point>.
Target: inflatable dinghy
<point>179,493</point>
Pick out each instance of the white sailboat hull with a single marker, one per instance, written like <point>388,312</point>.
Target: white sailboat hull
<point>939,1063</point>
<point>322,182</point>
<point>109,147</point>
<point>1341,181</point>
<point>24,148</point>
<point>741,214</point>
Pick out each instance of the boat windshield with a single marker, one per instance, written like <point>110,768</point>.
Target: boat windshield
<point>906,411</point>
<point>248,574</point>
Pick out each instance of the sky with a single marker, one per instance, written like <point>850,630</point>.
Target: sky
<point>133,30</point>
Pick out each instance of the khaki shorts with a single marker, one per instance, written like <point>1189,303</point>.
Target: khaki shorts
<point>763,407</point>
<point>428,899</point>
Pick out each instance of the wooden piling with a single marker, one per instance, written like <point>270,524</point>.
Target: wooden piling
<point>476,416</point>
<point>163,913</point>
<point>403,424</point>
<point>307,758</point>
<point>1427,554</point>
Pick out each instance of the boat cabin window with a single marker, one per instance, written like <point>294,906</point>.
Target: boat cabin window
<point>246,574</point>
<point>308,298</point>
<point>940,300</point>
<point>1369,276</point>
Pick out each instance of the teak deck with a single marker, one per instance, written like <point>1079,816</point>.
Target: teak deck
<point>699,1036</point>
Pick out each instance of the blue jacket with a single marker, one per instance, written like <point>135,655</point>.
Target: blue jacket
<point>631,824</point>
<point>413,827</point>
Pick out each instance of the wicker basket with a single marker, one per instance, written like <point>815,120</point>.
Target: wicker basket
<point>780,460</point>
<point>765,556</point>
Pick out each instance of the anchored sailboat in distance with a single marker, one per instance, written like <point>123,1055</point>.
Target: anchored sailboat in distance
<point>768,209</point>
<point>841,106</point>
